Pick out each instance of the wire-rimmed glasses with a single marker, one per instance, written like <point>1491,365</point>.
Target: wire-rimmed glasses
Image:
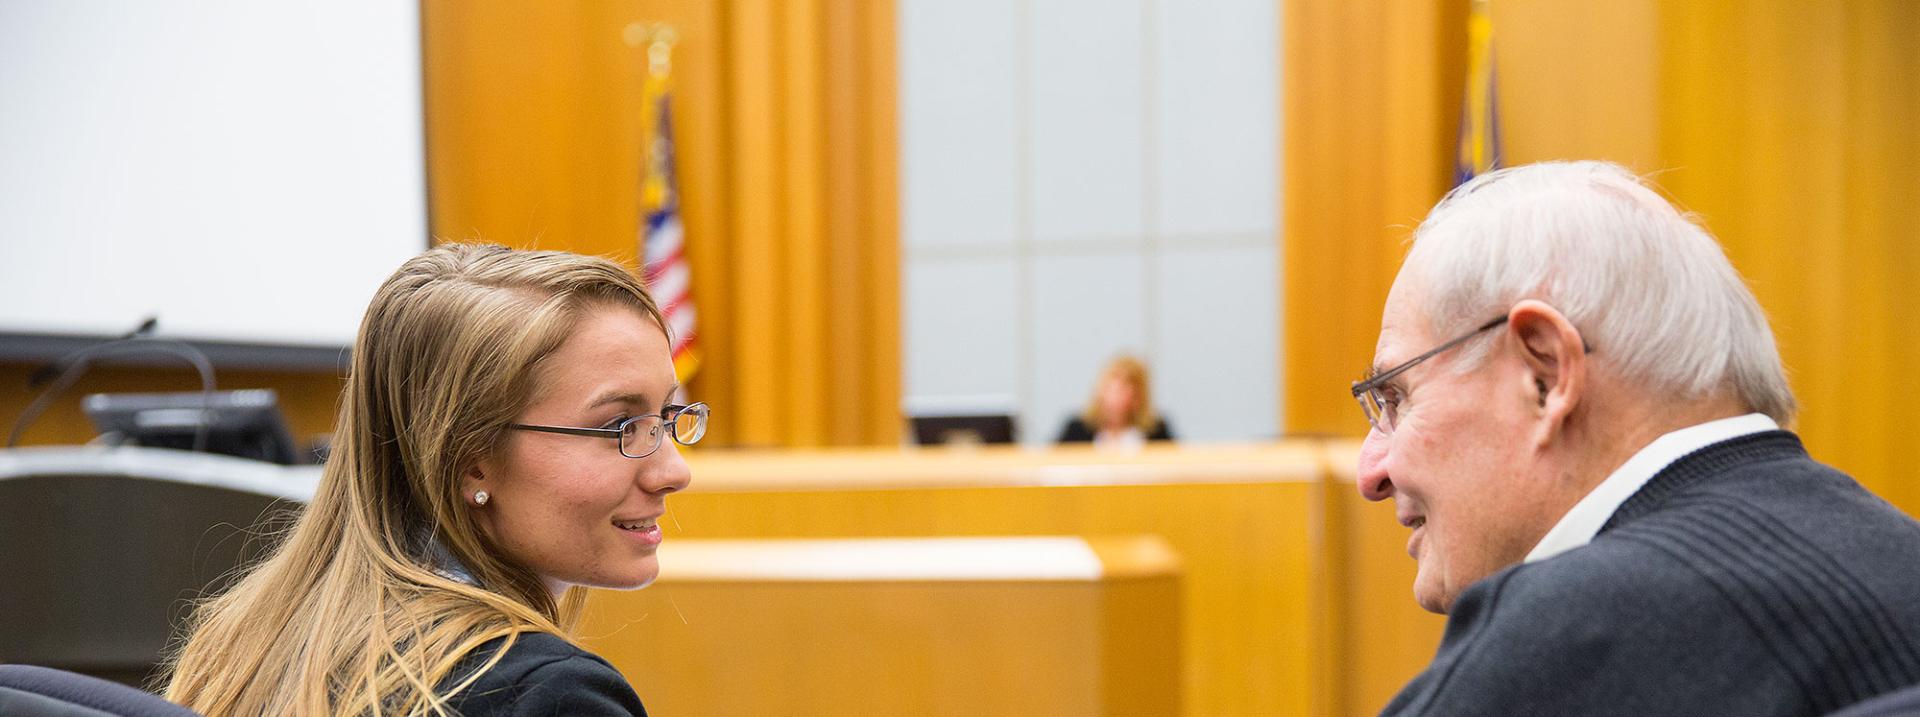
<point>1382,410</point>
<point>639,436</point>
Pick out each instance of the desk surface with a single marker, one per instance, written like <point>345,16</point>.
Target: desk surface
<point>968,559</point>
<point>241,474</point>
<point>715,470</point>
<point>1001,466</point>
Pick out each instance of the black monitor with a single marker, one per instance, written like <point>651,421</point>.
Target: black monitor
<point>962,429</point>
<point>239,423</point>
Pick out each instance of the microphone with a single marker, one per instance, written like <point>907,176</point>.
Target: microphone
<point>69,368</point>
<point>54,368</point>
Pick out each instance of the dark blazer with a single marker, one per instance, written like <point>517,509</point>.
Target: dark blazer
<point>1077,431</point>
<point>542,675</point>
<point>1744,579</point>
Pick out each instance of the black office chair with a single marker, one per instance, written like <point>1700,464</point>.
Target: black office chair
<point>31,691</point>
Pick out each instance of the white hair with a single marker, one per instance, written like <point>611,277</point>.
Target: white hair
<point>1646,286</point>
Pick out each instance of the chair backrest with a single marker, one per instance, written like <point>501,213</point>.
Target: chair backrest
<point>1902,703</point>
<point>33,690</point>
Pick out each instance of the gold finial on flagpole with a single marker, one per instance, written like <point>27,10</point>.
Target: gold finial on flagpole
<point>660,50</point>
<point>659,38</point>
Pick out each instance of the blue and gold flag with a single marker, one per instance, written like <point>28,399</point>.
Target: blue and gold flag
<point>1479,151</point>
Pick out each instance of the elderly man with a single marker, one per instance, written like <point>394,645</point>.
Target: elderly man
<point>1576,408</point>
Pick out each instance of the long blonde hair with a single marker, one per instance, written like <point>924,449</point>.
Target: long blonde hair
<point>353,613</point>
<point>1134,372</point>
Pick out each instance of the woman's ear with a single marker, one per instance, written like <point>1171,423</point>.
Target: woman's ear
<point>473,485</point>
<point>1555,360</point>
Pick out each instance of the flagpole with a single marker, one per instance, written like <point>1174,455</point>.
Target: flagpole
<point>663,260</point>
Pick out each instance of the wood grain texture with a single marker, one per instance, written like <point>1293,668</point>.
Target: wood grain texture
<point>1784,126</point>
<point>1241,519</point>
<point>715,639</point>
<point>1384,637</point>
<point>1789,132</point>
<point>786,147</point>
<point>1371,91</point>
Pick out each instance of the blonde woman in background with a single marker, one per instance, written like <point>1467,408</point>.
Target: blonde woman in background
<point>1120,413</point>
<point>501,445</point>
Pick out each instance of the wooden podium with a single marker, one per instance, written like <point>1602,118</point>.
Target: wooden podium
<point>103,549</point>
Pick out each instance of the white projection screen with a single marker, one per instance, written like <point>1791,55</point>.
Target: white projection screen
<point>246,171</point>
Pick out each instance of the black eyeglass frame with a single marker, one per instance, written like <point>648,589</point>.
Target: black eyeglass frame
<point>668,418</point>
<point>1367,392</point>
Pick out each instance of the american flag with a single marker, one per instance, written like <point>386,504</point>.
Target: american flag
<point>662,241</point>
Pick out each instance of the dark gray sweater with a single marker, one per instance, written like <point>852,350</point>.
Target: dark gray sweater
<point>1745,579</point>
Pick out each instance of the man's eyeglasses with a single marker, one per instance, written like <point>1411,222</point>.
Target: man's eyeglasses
<point>639,436</point>
<point>1381,409</point>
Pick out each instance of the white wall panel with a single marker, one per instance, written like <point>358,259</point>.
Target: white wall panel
<point>1086,307</point>
<point>163,160</point>
<point>962,323</point>
<point>958,122</point>
<point>1216,373</point>
<point>1136,142</point>
<point>1088,118</point>
<point>1217,117</point>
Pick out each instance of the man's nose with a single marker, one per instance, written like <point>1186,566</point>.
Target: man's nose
<point>1371,477</point>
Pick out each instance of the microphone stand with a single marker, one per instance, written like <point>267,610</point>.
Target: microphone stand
<point>77,363</point>
<point>53,368</point>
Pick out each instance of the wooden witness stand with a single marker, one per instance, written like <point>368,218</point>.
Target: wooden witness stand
<point>914,626</point>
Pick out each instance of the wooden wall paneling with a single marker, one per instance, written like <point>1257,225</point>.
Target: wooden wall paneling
<point>803,180</point>
<point>1371,95</point>
<point>1779,121</point>
<point>1780,124</point>
<point>533,140</point>
<point>1388,638</point>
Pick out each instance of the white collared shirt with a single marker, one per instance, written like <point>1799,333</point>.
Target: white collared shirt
<point>1128,439</point>
<point>1580,524</point>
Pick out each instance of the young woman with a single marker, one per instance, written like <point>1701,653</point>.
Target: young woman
<point>506,438</point>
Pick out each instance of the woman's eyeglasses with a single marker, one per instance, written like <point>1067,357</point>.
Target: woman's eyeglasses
<point>639,436</point>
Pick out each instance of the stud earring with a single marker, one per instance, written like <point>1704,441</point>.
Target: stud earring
<point>480,497</point>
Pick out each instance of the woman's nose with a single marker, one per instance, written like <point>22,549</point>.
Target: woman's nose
<point>667,472</point>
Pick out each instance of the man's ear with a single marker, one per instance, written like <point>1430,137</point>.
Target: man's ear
<point>1555,359</point>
